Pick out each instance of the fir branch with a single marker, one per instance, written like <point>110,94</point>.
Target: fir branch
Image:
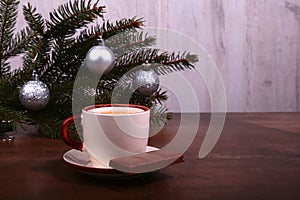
<point>156,98</point>
<point>20,42</point>
<point>5,68</point>
<point>128,41</point>
<point>109,29</point>
<point>10,108</point>
<point>8,16</point>
<point>158,111</point>
<point>168,63</point>
<point>88,37</point>
<point>159,96</point>
<point>159,115</point>
<point>37,57</point>
<point>34,20</point>
<point>10,113</point>
<point>54,72</point>
<point>174,62</point>
<point>69,17</point>
<point>49,126</point>
<point>62,51</point>
<point>61,99</point>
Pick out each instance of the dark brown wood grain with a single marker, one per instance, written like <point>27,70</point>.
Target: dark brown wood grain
<point>256,157</point>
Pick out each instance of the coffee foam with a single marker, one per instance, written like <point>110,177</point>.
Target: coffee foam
<point>116,110</point>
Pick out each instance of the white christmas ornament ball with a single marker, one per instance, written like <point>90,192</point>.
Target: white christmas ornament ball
<point>100,59</point>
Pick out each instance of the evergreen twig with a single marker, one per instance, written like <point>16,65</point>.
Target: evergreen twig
<point>8,16</point>
<point>69,17</point>
<point>109,29</point>
<point>128,41</point>
<point>19,42</point>
<point>170,62</point>
<point>35,20</point>
<point>88,37</point>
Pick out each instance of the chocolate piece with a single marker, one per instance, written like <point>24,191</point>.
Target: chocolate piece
<point>146,162</point>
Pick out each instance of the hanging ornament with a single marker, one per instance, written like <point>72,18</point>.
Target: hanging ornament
<point>146,80</point>
<point>34,94</point>
<point>100,59</point>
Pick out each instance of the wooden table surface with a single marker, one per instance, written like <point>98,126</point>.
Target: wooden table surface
<point>256,157</point>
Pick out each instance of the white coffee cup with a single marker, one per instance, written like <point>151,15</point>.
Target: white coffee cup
<point>110,131</point>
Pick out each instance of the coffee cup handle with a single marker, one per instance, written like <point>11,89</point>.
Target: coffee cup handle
<point>64,133</point>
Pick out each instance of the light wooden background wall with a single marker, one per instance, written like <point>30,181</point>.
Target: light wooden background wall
<point>254,43</point>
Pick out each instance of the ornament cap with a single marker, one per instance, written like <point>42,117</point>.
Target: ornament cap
<point>100,41</point>
<point>146,65</point>
<point>34,76</point>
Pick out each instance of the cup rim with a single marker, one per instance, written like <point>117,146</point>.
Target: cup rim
<point>87,108</point>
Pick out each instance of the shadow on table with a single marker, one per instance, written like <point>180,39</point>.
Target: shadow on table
<point>59,171</point>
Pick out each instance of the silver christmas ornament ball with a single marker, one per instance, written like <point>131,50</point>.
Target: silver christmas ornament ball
<point>100,59</point>
<point>34,95</point>
<point>146,80</point>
